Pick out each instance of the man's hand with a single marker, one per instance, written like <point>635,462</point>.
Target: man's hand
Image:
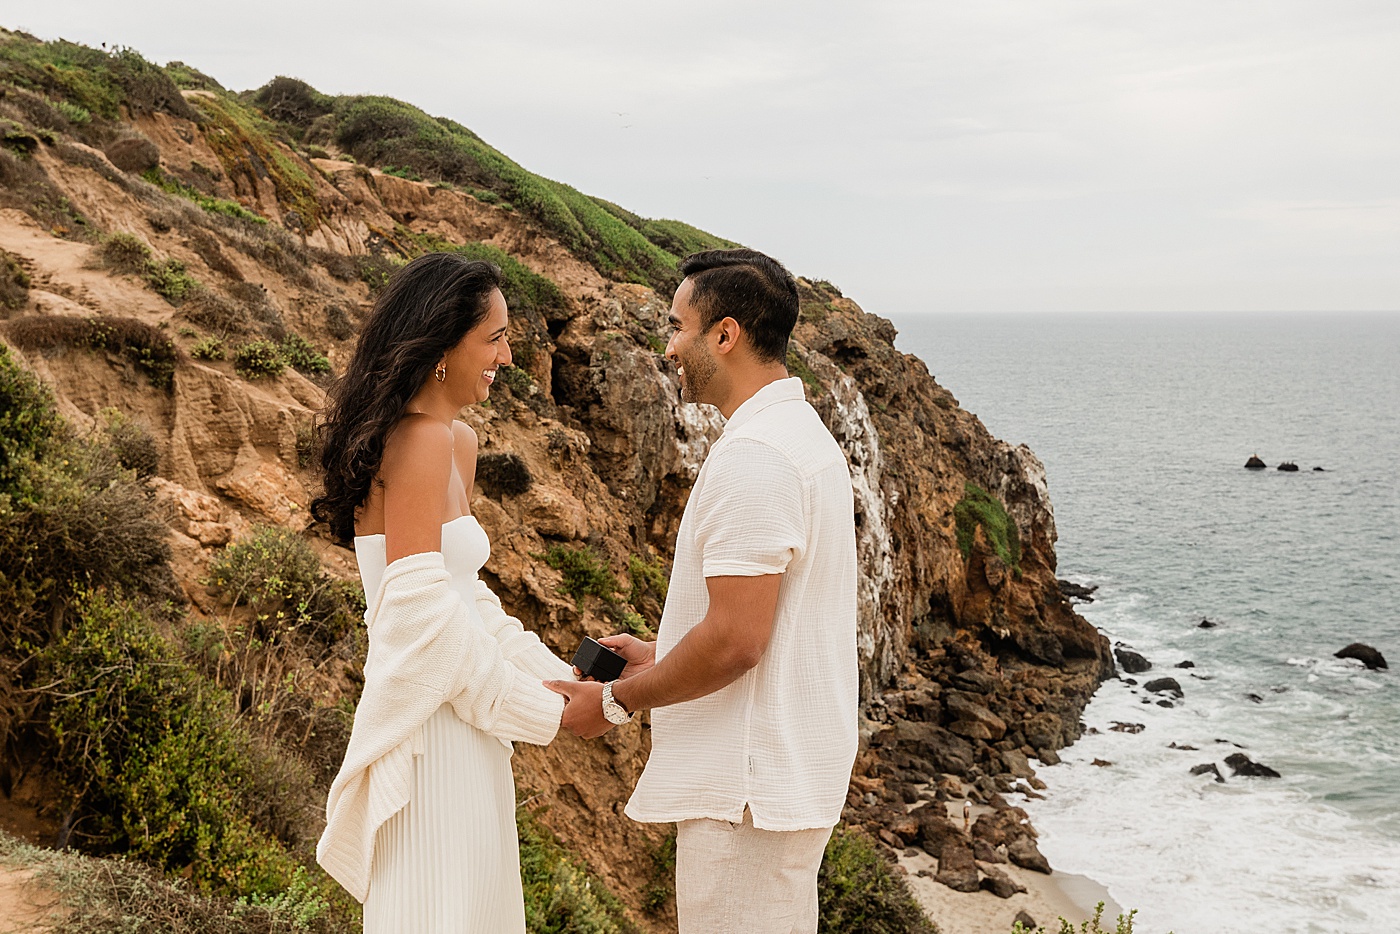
<point>640,656</point>
<point>583,707</point>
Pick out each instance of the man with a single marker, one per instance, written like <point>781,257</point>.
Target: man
<point>752,678</point>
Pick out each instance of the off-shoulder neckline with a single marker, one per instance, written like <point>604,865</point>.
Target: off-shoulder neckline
<point>444,525</point>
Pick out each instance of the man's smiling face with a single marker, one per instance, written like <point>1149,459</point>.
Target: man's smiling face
<point>688,348</point>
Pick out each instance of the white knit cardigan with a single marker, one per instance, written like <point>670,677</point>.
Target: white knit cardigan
<point>427,647</point>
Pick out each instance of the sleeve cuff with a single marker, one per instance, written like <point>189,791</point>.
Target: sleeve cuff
<point>529,712</point>
<point>526,652</point>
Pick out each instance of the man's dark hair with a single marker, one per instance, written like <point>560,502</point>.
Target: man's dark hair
<point>753,289</point>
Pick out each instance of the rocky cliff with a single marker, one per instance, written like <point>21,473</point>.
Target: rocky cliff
<point>258,212</point>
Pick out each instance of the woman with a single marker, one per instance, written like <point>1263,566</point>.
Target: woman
<point>420,821</point>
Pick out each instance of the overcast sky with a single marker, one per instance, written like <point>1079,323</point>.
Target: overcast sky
<point>1058,155</point>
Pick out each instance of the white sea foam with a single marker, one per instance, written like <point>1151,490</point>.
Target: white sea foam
<point>1195,856</point>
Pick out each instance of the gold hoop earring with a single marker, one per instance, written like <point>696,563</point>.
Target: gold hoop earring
<point>441,371</point>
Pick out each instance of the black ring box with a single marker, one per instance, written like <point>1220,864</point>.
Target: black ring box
<point>598,662</point>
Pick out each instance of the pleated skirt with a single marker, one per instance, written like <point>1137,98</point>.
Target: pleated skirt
<point>449,862</point>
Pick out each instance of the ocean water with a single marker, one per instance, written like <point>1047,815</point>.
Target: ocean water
<point>1144,424</point>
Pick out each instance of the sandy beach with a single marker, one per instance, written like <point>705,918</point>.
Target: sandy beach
<point>1046,899</point>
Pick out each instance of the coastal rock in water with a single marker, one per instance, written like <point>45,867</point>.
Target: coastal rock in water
<point>1208,768</point>
<point>1017,764</point>
<point>1254,698</point>
<point>1241,764</point>
<point>956,868</point>
<point>1288,467</point>
<point>1364,654</point>
<point>1254,463</point>
<point>1133,663</point>
<point>1044,730</point>
<point>1119,727</point>
<point>1206,623</point>
<point>999,883</point>
<point>1186,664</point>
<point>1023,852</point>
<point>1165,686</point>
<point>1080,592</point>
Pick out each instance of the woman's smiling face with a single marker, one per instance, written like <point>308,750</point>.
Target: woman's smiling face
<point>472,365</point>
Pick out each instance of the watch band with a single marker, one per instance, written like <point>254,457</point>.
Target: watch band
<point>613,712</point>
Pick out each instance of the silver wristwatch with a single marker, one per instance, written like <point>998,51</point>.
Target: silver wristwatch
<point>613,712</point>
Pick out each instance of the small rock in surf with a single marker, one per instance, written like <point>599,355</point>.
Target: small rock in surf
<point>1371,658</point>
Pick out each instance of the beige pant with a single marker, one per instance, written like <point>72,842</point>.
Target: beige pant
<point>737,879</point>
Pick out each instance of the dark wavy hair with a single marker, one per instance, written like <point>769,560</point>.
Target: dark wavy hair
<point>424,311</point>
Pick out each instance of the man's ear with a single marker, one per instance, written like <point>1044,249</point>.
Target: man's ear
<point>727,334</point>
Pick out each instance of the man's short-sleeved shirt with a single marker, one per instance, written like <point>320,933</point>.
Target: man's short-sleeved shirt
<point>773,497</point>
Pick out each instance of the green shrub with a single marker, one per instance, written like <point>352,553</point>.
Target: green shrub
<point>398,172</point>
<point>298,352</point>
<point>648,579</point>
<point>290,100</point>
<point>151,756</point>
<point>118,896</point>
<point>585,573</point>
<point>524,289</point>
<point>146,346</point>
<point>278,577</point>
<point>338,322</point>
<point>376,270</point>
<point>1093,925</point>
<point>219,313</point>
<point>561,896</point>
<point>14,282</point>
<point>191,79</point>
<point>123,252</point>
<point>858,891</point>
<point>29,421</point>
<point>79,116</point>
<point>70,515</point>
<point>135,448</point>
<point>208,348</point>
<point>662,885</point>
<point>798,367</point>
<point>517,381</point>
<point>257,359</point>
<point>978,507</point>
<point>169,279</point>
<point>171,185</point>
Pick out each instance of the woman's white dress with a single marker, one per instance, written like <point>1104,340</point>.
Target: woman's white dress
<point>450,860</point>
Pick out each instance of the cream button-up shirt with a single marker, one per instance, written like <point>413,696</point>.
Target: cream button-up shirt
<point>773,497</point>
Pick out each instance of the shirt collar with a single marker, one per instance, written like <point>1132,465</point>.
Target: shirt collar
<point>780,390</point>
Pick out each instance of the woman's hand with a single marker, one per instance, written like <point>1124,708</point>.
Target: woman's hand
<point>640,655</point>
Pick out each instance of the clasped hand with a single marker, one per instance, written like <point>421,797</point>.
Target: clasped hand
<point>583,700</point>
